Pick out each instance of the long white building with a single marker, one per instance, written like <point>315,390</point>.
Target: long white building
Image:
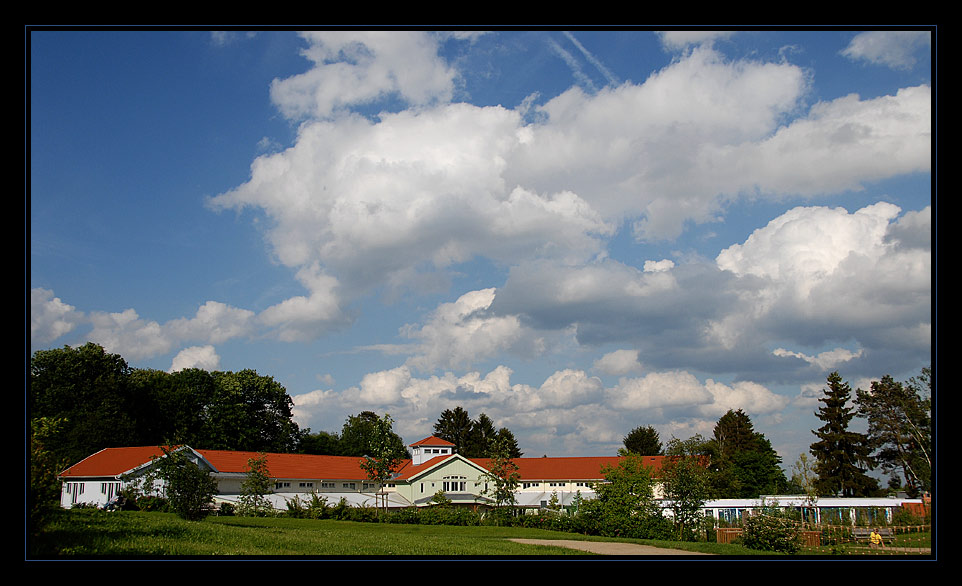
<point>433,469</point>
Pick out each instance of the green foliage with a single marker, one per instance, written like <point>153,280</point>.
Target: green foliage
<point>900,427</point>
<point>841,455</point>
<point>502,476</point>
<point>249,412</point>
<point>88,389</point>
<point>255,488</point>
<point>770,530</point>
<point>744,463</point>
<point>322,443</point>
<point>384,459</point>
<point>190,488</point>
<point>361,436</point>
<point>625,505</point>
<point>43,492</point>
<point>643,441</point>
<point>686,484</point>
<point>472,438</point>
<point>104,403</point>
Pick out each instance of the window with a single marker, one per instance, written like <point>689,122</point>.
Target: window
<point>280,485</point>
<point>109,489</point>
<point>328,485</point>
<point>453,483</point>
<point>75,489</point>
<point>349,485</point>
<point>306,484</point>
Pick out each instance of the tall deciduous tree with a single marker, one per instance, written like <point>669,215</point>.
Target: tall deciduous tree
<point>841,456</point>
<point>383,460</point>
<point>643,441</point>
<point>899,427</point>
<point>502,477</point>
<point>255,488</point>
<point>250,412</point>
<point>360,436</point>
<point>321,443</point>
<point>686,485</point>
<point>88,389</point>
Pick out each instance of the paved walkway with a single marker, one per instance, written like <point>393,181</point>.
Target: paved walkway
<point>609,547</point>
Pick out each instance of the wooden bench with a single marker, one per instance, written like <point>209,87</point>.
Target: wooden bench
<point>861,534</point>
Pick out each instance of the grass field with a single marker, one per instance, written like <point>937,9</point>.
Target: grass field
<point>91,533</point>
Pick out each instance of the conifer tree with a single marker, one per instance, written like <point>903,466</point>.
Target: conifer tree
<point>841,456</point>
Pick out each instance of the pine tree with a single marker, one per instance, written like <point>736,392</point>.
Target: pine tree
<point>841,455</point>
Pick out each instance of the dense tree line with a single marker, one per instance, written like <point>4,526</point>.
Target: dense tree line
<point>101,402</point>
<point>739,462</point>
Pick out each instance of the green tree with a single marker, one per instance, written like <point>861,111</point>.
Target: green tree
<point>322,443</point>
<point>841,456</point>
<point>455,426</point>
<point>643,441</point>
<point>899,427</point>
<point>250,412</point>
<point>744,463</point>
<point>255,488</point>
<point>686,485</point>
<point>360,434</point>
<point>804,479</point>
<point>383,461</point>
<point>625,504</point>
<point>88,390</point>
<point>189,486</point>
<point>502,477</point>
<point>43,493</point>
<point>183,402</point>
<point>479,437</point>
<point>506,436</point>
<point>472,438</point>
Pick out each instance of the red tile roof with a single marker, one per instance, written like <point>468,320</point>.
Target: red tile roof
<point>407,469</point>
<point>289,465</point>
<point>432,441</point>
<point>113,461</point>
<point>567,468</point>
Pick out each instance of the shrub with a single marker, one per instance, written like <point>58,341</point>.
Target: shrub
<point>151,503</point>
<point>190,490</point>
<point>771,531</point>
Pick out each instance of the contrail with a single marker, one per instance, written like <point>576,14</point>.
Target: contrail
<point>612,79</point>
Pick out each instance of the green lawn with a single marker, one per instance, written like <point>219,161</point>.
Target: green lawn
<point>91,533</point>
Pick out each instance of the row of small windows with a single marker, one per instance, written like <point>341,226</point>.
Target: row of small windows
<point>555,484</point>
<point>280,485</point>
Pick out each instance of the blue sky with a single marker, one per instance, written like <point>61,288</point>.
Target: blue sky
<point>576,233</point>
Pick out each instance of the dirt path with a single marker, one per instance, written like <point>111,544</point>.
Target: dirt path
<point>609,547</point>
